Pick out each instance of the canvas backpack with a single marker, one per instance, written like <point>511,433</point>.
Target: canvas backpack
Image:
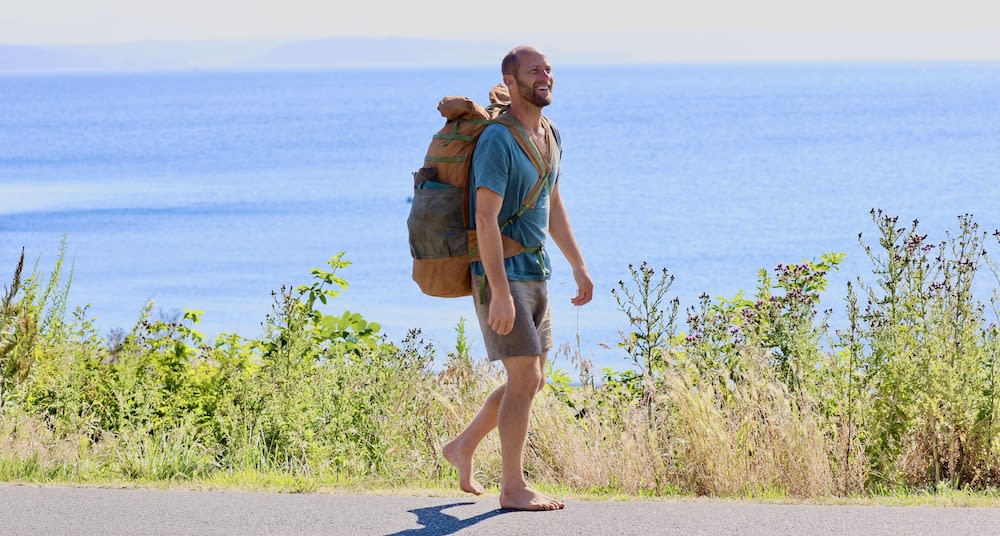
<point>442,241</point>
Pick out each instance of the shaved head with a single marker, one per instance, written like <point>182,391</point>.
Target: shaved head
<point>512,61</point>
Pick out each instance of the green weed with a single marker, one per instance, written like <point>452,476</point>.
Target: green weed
<point>749,396</point>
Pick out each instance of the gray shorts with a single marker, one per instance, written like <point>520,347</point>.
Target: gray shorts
<point>532,333</point>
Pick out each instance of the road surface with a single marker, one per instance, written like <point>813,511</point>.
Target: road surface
<point>27,510</point>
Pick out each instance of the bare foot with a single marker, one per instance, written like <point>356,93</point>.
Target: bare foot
<point>528,499</point>
<point>462,461</point>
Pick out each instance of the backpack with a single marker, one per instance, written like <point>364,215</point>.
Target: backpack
<point>442,241</point>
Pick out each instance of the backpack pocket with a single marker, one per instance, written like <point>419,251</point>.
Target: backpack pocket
<point>436,227</point>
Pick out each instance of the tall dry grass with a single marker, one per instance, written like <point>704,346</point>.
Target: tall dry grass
<point>750,395</point>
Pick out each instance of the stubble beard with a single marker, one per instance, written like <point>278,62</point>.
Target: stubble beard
<point>528,93</point>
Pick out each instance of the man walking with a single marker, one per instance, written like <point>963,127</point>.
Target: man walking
<point>513,309</point>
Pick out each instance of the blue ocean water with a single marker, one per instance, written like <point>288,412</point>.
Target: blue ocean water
<point>209,190</point>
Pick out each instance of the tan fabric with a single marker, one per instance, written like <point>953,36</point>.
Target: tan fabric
<point>532,333</point>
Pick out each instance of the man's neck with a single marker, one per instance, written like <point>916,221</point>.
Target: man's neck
<point>529,115</point>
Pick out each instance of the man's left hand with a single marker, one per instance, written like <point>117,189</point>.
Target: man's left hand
<point>584,287</point>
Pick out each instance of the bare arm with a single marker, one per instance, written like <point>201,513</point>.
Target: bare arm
<point>562,234</point>
<point>488,204</point>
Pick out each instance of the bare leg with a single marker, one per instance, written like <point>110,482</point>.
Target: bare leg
<point>459,451</point>
<point>525,376</point>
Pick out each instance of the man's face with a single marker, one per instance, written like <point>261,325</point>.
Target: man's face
<point>534,80</point>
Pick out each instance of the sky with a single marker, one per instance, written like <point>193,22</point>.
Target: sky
<point>641,30</point>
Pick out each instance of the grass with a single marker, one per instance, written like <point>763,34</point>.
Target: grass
<point>740,398</point>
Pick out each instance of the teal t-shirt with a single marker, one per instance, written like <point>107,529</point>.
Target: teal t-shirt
<point>500,164</point>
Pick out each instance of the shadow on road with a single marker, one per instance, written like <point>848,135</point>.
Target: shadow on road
<point>437,523</point>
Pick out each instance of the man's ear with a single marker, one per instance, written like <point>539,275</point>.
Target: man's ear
<point>508,81</point>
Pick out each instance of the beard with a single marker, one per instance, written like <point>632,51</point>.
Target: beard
<point>528,93</point>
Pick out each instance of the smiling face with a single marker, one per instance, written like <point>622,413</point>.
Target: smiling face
<point>533,80</point>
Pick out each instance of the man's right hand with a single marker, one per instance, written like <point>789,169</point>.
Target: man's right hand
<point>502,313</point>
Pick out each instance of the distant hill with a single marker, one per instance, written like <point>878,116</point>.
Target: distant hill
<point>608,48</point>
<point>378,52</point>
<point>16,58</point>
<point>321,53</point>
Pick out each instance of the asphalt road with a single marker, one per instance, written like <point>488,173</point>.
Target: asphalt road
<point>54,510</point>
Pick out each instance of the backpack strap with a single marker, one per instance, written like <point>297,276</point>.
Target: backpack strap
<point>531,150</point>
<point>455,134</point>
<point>524,140</point>
<point>544,169</point>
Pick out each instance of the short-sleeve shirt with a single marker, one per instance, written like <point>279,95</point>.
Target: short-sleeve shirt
<point>500,165</point>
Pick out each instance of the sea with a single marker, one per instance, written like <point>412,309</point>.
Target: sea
<point>210,191</point>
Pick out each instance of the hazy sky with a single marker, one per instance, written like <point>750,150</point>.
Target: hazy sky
<point>704,29</point>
